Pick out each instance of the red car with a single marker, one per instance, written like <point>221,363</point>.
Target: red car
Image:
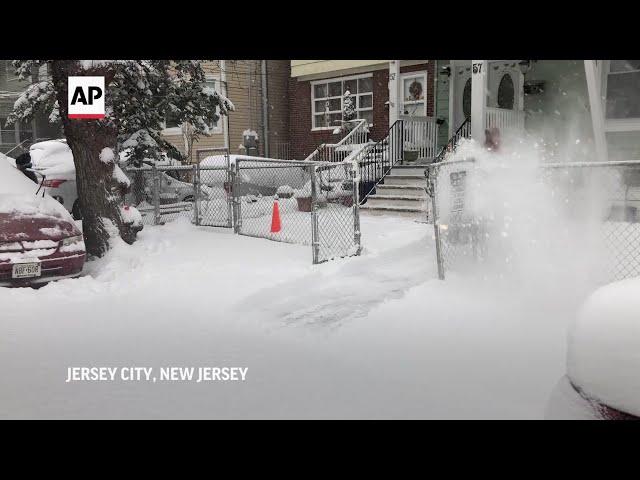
<point>39,240</point>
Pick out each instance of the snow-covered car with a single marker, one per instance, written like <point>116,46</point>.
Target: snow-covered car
<point>53,159</point>
<point>255,178</point>
<point>39,240</point>
<point>174,188</point>
<point>603,360</point>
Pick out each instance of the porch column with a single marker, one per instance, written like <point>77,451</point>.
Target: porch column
<point>452,98</point>
<point>394,90</point>
<point>595,103</point>
<point>478,99</point>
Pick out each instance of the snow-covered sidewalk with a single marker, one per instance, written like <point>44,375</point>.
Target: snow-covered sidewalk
<point>375,336</point>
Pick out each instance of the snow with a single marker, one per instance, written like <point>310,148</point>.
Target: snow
<point>40,244</point>
<point>106,155</point>
<point>120,177</point>
<point>250,133</point>
<point>604,346</point>
<point>17,194</point>
<point>53,158</point>
<point>52,231</point>
<point>372,336</point>
<point>131,215</point>
<point>17,257</point>
<point>375,336</point>
<point>285,190</point>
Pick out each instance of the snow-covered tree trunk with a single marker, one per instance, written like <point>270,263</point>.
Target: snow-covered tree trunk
<point>100,183</point>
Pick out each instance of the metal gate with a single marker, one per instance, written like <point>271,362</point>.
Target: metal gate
<point>317,204</point>
<point>198,192</point>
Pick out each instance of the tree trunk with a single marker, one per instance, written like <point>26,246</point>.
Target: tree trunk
<point>100,196</point>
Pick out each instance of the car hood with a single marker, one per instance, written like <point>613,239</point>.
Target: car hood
<point>15,227</point>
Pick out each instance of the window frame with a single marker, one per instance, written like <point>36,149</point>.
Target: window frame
<point>219,129</point>
<point>342,80</point>
<point>616,124</point>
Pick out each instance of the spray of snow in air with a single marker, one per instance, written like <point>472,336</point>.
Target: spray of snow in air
<point>538,225</point>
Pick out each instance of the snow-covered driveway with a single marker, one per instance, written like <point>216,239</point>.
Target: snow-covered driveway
<point>377,336</point>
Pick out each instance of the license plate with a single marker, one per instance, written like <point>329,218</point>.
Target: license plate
<point>26,270</point>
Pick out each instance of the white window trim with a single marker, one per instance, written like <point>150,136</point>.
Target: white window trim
<point>215,131</point>
<point>409,75</point>
<point>336,79</point>
<point>616,124</point>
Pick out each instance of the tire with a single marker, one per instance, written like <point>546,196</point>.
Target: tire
<point>75,211</point>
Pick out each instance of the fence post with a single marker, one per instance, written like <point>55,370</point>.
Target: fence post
<point>401,145</point>
<point>315,244</point>
<point>433,175</point>
<point>237,214</point>
<point>156,195</point>
<point>197,192</point>
<point>356,205</point>
<point>229,175</point>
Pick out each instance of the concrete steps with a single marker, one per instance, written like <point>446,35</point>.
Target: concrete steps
<point>402,194</point>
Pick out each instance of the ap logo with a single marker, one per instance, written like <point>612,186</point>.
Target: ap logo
<point>86,97</point>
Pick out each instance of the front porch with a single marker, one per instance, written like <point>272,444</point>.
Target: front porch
<point>550,101</point>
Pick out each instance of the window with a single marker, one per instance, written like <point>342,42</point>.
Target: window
<point>623,89</point>
<point>414,87</point>
<point>327,100</point>
<point>10,72</point>
<point>7,134</point>
<point>212,84</point>
<point>506,92</point>
<point>466,99</point>
<point>172,125</point>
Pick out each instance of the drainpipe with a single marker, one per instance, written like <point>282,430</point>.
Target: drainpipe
<point>394,90</point>
<point>225,92</point>
<point>265,109</point>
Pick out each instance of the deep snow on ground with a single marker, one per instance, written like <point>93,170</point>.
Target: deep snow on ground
<point>375,336</point>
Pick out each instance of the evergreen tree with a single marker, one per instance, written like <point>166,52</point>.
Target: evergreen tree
<point>348,107</point>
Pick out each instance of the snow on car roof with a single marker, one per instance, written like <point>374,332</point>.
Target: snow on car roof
<point>603,346</point>
<point>218,161</point>
<point>53,157</point>
<point>17,194</point>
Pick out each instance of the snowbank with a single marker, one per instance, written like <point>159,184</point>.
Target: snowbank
<point>604,346</point>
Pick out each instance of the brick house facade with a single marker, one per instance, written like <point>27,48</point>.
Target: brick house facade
<point>305,139</point>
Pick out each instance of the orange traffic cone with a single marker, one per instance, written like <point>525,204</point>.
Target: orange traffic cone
<point>275,217</point>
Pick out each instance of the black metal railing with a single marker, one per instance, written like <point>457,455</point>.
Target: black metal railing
<point>379,159</point>
<point>463,131</point>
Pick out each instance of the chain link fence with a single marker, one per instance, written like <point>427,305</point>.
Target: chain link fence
<point>605,194</point>
<point>316,201</point>
<point>164,193</point>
